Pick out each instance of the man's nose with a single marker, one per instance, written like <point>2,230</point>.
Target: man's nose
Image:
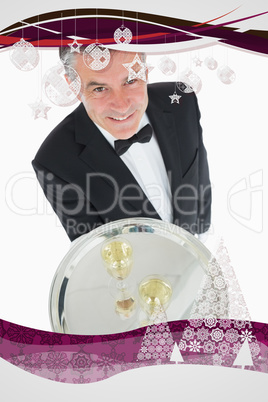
<point>119,101</point>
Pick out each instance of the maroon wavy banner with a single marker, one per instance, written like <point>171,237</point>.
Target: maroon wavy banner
<point>56,28</point>
<point>82,359</point>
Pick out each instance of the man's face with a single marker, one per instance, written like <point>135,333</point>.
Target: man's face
<point>110,99</point>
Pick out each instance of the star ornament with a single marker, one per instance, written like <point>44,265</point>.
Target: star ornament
<point>39,109</point>
<point>136,69</point>
<point>75,46</point>
<point>175,98</point>
<point>198,62</point>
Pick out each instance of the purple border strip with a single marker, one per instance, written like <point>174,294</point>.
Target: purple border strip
<point>84,359</point>
<point>252,40</point>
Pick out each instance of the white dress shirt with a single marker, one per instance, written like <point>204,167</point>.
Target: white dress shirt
<point>146,164</point>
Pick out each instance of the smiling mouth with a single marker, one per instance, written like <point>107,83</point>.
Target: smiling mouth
<point>121,118</point>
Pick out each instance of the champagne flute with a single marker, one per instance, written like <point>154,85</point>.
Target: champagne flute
<point>117,255</point>
<point>155,293</point>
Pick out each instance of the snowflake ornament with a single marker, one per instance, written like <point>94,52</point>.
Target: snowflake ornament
<point>75,46</point>
<point>175,98</point>
<point>136,69</point>
<point>39,109</point>
<point>24,55</point>
<point>122,35</point>
<point>96,56</point>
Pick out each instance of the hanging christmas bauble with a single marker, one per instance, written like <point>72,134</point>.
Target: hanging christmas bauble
<point>166,65</point>
<point>226,75</point>
<point>184,87</point>
<point>211,63</point>
<point>24,55</point>
<point>192,79</point>
<point>122,35</point>
<point>96,57</point>
<point>57,89</point>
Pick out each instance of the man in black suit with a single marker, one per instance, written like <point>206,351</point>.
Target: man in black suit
<point>89,182</point>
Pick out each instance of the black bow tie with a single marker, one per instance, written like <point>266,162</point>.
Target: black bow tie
<point>144,135</point>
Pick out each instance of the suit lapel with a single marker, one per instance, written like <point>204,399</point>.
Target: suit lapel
<point>165,130</point>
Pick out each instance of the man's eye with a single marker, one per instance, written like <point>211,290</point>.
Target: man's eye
<point>99,89</point>
<point>129,82</point>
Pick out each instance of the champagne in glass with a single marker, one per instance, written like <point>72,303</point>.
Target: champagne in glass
<point>155,293</point>
<point>117,257</point>
<point>118,260</point>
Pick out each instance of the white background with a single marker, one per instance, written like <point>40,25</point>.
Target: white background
<point>234,121</point>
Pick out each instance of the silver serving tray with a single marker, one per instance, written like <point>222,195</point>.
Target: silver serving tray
<point>80,300</point>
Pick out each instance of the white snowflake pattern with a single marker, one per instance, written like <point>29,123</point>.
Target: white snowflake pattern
<point>188,334</point>
<point>165,335</point>
<point>209,347</point>
<point>166,348</point>
<point>217,335</point>
<point>202,334</point>
<point>163,355</point>
<point>219,282</point>
<point>169,341</point>
<point>194,346</point>
<point>246,335</point>
<point>140,356</point>
<point>204,308</point>
<point>210,321</point>
<point>236,348</point>
<point>254,349</point>
<point>219,309</point>
<point>162,341</point>
<point>196,322</point>
<point>212,295</point>
<point>151,349</point>
<point>213,267</point>
<point>239,324</point>
<point>154,342</point>
<point>223,347</point>
<point>148,356</point>
<point>182,345</point>
<point>231,335</point>
<point>207,282</point>
<point>162,328</point>
<point>223,297</point>
<point>158,349</point>
<point>225,323</point>
<point>144,349</point>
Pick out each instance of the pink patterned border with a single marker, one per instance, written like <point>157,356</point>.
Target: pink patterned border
<point>81,359</point>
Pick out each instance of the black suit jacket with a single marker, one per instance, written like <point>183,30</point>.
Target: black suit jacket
<point>87,184</point>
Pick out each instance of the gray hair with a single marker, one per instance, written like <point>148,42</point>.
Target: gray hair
<point>67,57</point>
